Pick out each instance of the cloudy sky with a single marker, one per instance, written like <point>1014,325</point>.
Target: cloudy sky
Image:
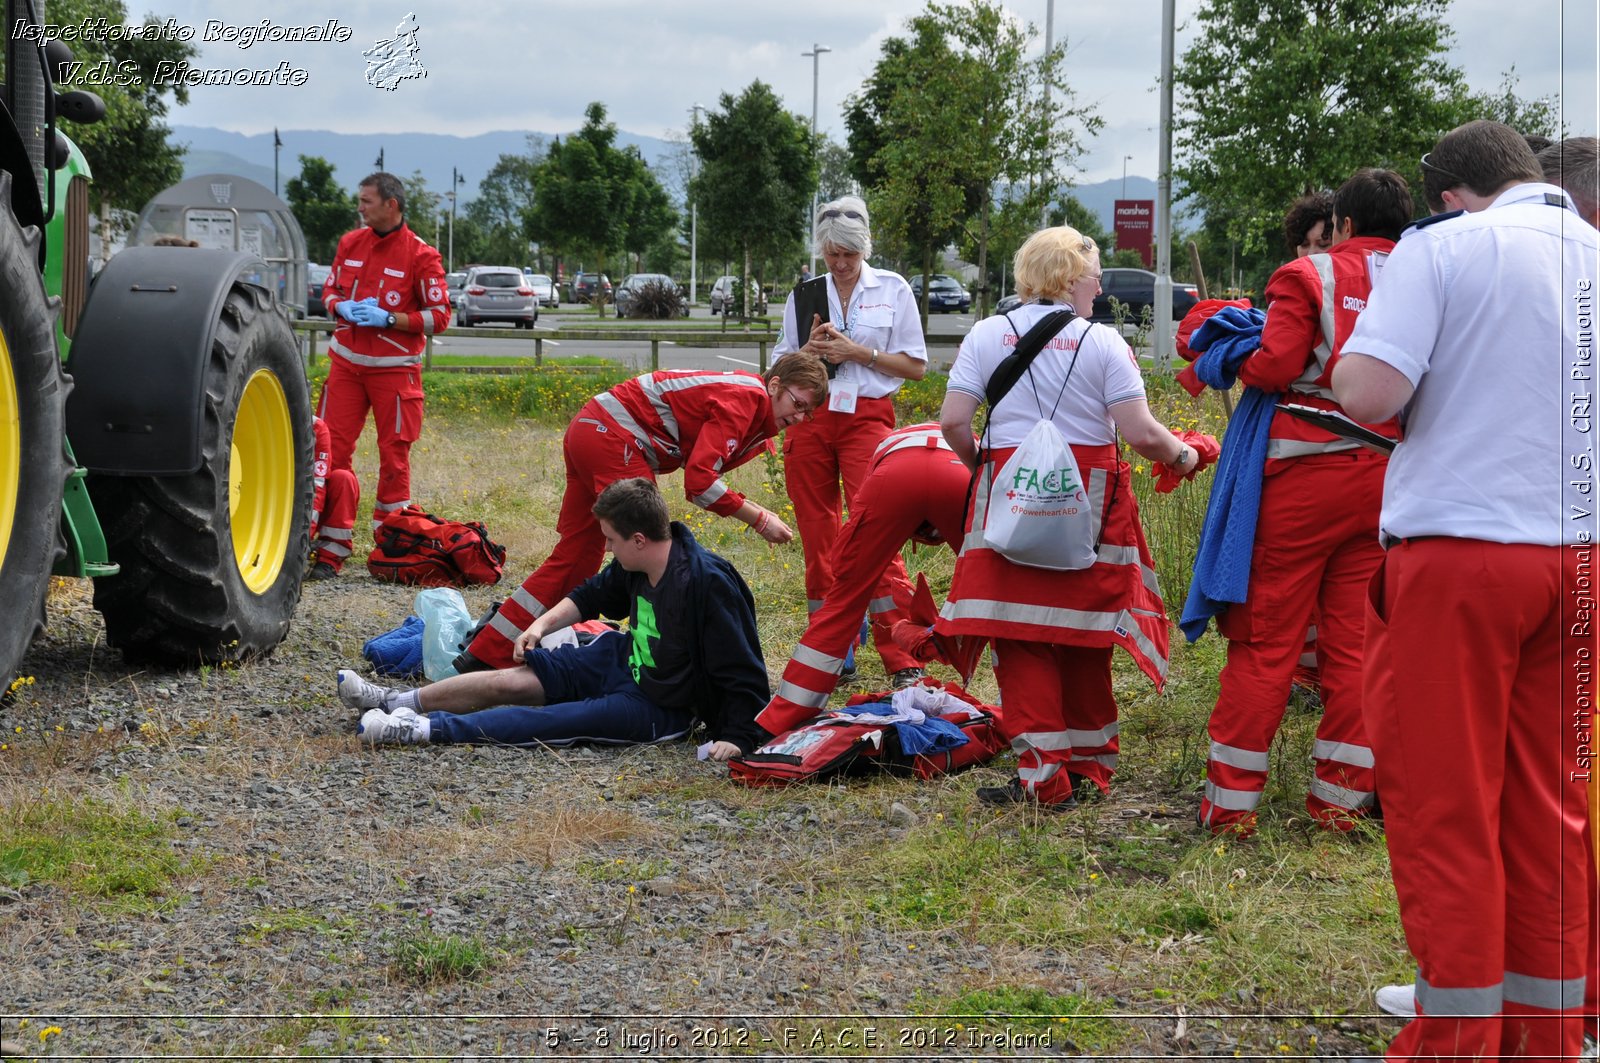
<point>535,64</point>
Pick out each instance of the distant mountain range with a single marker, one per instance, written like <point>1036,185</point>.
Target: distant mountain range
<point>354,155</point>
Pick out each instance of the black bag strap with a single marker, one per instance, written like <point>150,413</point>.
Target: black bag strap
<point>1013,365</point>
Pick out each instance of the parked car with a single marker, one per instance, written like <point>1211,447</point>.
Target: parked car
<point>1136,288</point>
<point>544,288</point>
<point>584,285</point>
<point>944,294</point>
<point>634,281</point>
<point>497,293</point>
<point>1008,303</point>
<point>316,277</point>
<point>725,297</point>
<point>453,283</point>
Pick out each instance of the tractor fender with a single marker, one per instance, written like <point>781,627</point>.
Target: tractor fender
<point>140,355</point>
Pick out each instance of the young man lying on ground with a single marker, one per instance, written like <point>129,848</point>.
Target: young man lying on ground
<point>691,651</point>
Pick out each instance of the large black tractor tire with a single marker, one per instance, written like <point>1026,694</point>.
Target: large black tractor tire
<point>212,562</point>
<point>33,458</point>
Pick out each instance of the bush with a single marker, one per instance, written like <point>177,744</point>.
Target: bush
<point>657,300</point>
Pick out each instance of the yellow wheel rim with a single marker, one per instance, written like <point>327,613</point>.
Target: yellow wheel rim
<point>10,449</point>
<point>261,479</point>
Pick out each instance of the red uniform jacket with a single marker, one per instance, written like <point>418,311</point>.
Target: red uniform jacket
<point>407,278</point>
<point>700,421</point>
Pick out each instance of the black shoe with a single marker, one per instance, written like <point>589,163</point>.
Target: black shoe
<point>465,662</point>
<point>849,675</point>
<point>321,571</point>
<point>1085,788</point>
<point>907,677</point>
<point>1012,793</point>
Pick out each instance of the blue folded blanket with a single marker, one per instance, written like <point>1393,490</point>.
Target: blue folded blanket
<point>397,653</point>
<point>1228,535</point>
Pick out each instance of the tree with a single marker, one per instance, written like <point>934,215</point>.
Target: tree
<point>758,170</point>
<point>323,208</point>
<point>651,218</point>
<point>955,116</point>
<point>500,210</point>
<point>834,171</point>
<point>128,150</point>
<point>1275,96</point>
<point>588,192</point>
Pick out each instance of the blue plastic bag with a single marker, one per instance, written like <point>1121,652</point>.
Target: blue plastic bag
<point>445,623</point>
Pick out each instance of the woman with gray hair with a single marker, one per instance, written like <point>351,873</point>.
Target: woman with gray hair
<point>872,338</point>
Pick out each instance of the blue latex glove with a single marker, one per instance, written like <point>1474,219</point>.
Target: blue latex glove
<point>349,308</point>
<point>371,315</point>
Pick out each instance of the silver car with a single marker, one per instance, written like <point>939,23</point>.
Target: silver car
<point>497,293</point>
<point>544,289</point>
<point>725,297</point>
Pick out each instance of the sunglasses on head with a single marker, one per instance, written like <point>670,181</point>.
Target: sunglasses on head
<point>847,213</point>
<point>1427,165</point>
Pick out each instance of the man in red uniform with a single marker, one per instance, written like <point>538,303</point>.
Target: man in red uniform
<point>333,507</point>
<point>915,488</point>
<point>701,421</point>
<point>1316,543</point>
<point>387,293</point>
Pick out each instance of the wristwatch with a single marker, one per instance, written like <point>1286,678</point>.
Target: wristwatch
<point>391,321</point>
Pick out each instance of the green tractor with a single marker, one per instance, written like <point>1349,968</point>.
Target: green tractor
<point>185,491</point>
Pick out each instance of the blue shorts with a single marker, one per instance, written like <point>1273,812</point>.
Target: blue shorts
<point>590,696</point>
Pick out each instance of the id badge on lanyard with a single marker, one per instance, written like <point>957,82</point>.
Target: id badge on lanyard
<point>842,394</point>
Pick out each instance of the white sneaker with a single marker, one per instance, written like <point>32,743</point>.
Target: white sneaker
<point>400,727</point>
<point>1398,1000</point>
<point>357,693</point>
<point>1591,1050</point>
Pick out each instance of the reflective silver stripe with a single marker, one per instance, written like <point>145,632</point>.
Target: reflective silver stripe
<point>399,414</point>
<point>656,389</point>
<point>534,607</point>
<point>1108,759</point>
<point>1243,759</point>
<point>1299,448</point>
<point>1051,616</point>
<point>879,606</point>
<point>710,494</point>
<point>1052,740</point>
<point>1117,555</point>
<point>1232,800</point>
<point>1308,659</point>
<point>980,510</point>
<point>914,439</point>
<point>391,507</point>
<point>1458,1002</point>
<point>1340,796</point>
<point>1311,633</point>
<point>336,549</point>
<point>502,623</point>
<point>1551,994</point>
<point>428,326</point>
<point>813,604</point>
<point>1038,775</point>
<point>394,343</point>
<point>1343,752</point>
<point>811,658</point>
<point>367,359</point>
<point>1099,481</point>
<point>1095,738</point>
<point>346,534</point>
<point>810,699</point>
<point>619,413</point>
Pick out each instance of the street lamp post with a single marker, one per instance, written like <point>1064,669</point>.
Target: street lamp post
<point>277,146</point>
<point>1049,43</point>
<point>450,254</point>
<point>1125,159</point>
<point>694,210</point>
<point>815,55</point>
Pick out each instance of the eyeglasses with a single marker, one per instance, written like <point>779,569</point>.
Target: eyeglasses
<point>825,215</point>
<point>801,404</point>
<point>1426,165</point>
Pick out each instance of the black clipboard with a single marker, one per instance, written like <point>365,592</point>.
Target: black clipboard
<point>1340,425</point>
<point>811,298</point>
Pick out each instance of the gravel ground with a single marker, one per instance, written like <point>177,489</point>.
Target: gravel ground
<point>588,892</point>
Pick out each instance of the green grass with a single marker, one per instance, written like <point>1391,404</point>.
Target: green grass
<point>92,848</point>
<point>425,957</point>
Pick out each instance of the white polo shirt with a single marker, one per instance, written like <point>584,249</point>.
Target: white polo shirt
<point>1490,315</point>
<point>882,315</point>
<point>1105,375</point>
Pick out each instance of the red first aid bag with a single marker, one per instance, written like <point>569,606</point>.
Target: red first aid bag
<point>415,547</point>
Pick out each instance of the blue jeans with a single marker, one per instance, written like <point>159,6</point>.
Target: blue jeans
<point>590,696</point>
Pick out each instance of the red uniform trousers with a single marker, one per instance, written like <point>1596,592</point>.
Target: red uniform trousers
<point>394,395</point>
<point>597,454</point>
<point>817,454</point>
<point>1316,548</point>
<point>335,510</point>
<point>907,489</point>
<point>1038,681</point>
<point>1468,651</point>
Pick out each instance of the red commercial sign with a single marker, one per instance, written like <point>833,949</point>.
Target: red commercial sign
<point>1134,226</point>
